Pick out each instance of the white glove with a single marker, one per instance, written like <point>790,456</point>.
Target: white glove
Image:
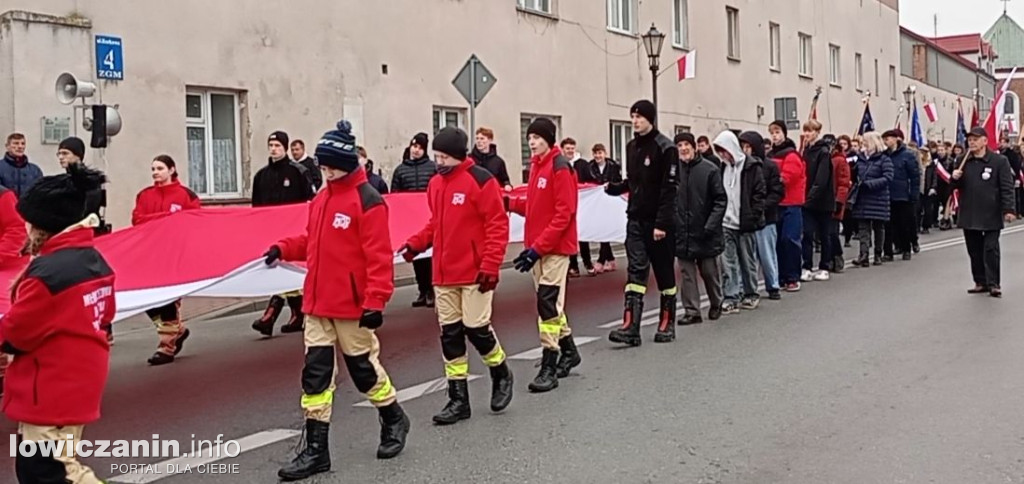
<point>932,192</point>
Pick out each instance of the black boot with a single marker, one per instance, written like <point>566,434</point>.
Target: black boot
<point>157,359</point>
<point>265,325</point>
<point>501,387</point>
<point>457,407</point>
<point>547,379</point>
<point>838,264</point>
<point>570,357</point>
<point>667,320</point>
<point>296,320</point>
<point>421,301</point>
<point>430,299</point>
<point>394,427</point>
<point>315,458</point>
<point>629,333</point>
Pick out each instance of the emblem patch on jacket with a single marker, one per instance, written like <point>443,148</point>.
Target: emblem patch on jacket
<point>341,221</point>
<point>459,199</point>
<point>287,182</point>
<point>542,182</point>
<point>175,207</point>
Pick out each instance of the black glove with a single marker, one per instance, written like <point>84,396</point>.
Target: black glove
<point>526,260</point>
<point>371,319</point>
<point>616,189</point>
<point>271,256</point>
<point>505,200</point>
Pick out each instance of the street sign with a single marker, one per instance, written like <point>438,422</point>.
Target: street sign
<point>109,58</point>
<point>474,81</point>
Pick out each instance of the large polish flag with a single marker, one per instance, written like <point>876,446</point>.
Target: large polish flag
<point>687,66</point>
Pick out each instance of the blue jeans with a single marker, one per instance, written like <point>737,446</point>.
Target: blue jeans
<point>790,229</point>
<point>766,239</point>
<point>739,273</point>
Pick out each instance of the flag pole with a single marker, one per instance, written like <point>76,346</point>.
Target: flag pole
<point>866,101</point>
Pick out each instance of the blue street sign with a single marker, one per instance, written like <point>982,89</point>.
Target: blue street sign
<point>109,58</point>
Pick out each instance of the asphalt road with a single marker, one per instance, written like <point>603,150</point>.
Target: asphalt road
<point>888,374</point>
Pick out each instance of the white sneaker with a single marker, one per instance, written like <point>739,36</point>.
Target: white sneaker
<point>821,276</point>
<point>806,276</point>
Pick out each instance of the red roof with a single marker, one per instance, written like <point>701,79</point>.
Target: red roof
<point>931,43</point>
<point>966,44</point>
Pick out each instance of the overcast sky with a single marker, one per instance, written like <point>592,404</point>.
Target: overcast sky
<point>956,16</point>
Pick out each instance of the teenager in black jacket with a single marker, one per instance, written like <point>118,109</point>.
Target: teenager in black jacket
<point>413,175</point>
<point>485,154</point>
<point>767,237</point>
<point>819,204</point>
<point>604,170</point>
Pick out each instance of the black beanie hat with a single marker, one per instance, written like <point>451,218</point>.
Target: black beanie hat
<point>782,125</point>
<point>421,140</point>
<point>74,145</point>
<point>337,149</point>
<point>646,109</point>
<point>687,137</point>
<point>57,202</point>
<point>280,137</point>
<point>452,142</point>
<point>544,128</point>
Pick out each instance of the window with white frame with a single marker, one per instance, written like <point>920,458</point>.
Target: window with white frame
<point>620,133</point>
<point>858,71</point>
<point>622,16</point>
<point>892,82</point>
<point>445,117</point>
<point>835,62</point>
<point>806,59</point>
<point>542,6</point>
<point>680,24</point>
<point>774,47</point>
<point>524,124</point>
<point>212,131</point>
<point>732,23</point>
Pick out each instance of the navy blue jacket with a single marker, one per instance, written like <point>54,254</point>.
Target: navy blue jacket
<point>906,175</point>
<point>870,196</point>
<point>18,175</point>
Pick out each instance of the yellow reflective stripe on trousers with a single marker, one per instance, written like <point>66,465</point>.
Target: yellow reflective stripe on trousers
<point>457,369</point>
<point>495,357</point>
<point>383,393</point>
<point>318,400</point>
<point>670,292</point>
<point>636,288</point>
<point>552,326</point>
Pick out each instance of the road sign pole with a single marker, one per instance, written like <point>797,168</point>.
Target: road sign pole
<point>472,96</point>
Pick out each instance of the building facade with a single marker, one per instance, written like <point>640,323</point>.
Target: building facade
<point>206,82</point>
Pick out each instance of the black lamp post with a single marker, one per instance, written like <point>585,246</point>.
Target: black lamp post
<point>653,41</point>
<point>908,95</point>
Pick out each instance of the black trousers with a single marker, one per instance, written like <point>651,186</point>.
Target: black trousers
<point>901,231</point>
<point>424,275</point>
<point>644,254</point>
<point>929,211</point>
<point>604,255</point>
<point>983,247</point>
<point>864,233</point>
<point>850,225</point>
<point>837,244</point>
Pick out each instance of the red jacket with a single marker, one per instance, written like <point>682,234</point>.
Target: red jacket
<point>159,201</point>
<point>61,355</point>
<point>467,218</point>
<point>12,228</point>
<point>843,182</point>
<point>550,205</point>
<point>347,250</point>
<point>793,174</point>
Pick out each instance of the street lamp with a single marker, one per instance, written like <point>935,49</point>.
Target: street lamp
<point>908,95</point>
<point>653,41</point>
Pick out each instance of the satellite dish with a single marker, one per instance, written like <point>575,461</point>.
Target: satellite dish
<point>69,88</point>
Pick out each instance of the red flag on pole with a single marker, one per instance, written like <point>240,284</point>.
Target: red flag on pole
<point>974,117</point>
<point>991,123</point>
<point>687,65</point>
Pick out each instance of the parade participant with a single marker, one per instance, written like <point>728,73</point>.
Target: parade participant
<point>928,213</point>
<point>706,151</point>
<point>54,327</point>
<point>72,151</point>
<point>17,173</point>
<point>945,161</point>
<point>652,165</point>
<point>485,154</point>
<point>550,238</point>
<point>767,237</point>
<point>166,196</point>
<point>700,207</point>
<point>372,178</point>
<point>583,175</point>
<point>604,170</point>
<point>281,182</point>
<point>854,154</point>
<point>12,238</point>
<point>413,175</point>
<point>467,217</point>
<point>791,222</point>
<point>743,179</point>
<point>841,182</point>
<point>819,203</point>
<point>901,233</point>
<point>985,182</point>
<point>870,197</point>
<point>298,150</point>
<point>347,251</point>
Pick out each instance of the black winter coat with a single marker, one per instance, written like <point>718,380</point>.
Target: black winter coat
<point>652,164</point>
<point>1014,157</point>
<point>930,179</point>
<point>583,173</point>
<point>821,190</point>
<point>281,182</point>
<point>312,172</point>
<point>986,192</point>
<point>753,193</point>
<point>700,208</point>
<point>494,164</point>
<point>413,175</point>
<point>906,175</point>
<point>612,172</point>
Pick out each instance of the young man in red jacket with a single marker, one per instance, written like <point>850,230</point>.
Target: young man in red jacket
<point>550,211</point>
<point>468,230</point>
<point>791,222</point>
<point>54,327</point>
<point>347,250</point>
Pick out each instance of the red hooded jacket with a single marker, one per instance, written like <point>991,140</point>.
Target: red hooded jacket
<point>468,227</point>
<point>793,173</point>
<point>61,355</point>
<point>12,228</point>
<point>843,182</point>
<point>159,201</point>
<point>347,250</point>
<point>550,205</point>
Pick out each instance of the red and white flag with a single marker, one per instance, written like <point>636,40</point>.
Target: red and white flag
<point>687,65</point>
<point>990,121</point>
<point>932,112</point>
<point>941,171</point>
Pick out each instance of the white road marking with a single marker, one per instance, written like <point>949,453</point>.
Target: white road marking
<point>247,443</point>
<point>535,353</point>
<point>417,391</point>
